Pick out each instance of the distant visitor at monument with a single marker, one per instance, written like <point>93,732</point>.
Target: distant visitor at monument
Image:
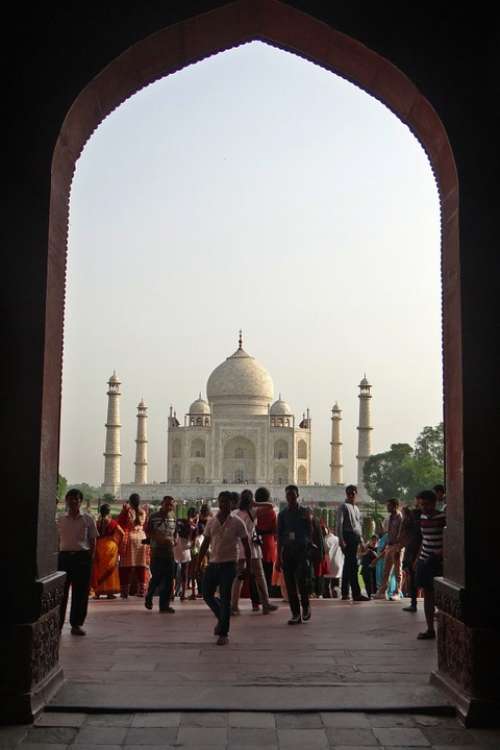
<point>238,435</point>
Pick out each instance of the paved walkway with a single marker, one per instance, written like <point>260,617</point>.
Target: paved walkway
<point>137,662</point>
<point>245,731</point>
<point>350,656</point>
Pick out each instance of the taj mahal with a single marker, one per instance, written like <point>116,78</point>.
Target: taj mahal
<point>239,435</point>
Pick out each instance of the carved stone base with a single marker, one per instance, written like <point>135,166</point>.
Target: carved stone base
<point>468,670</point>
<point>29,654</point>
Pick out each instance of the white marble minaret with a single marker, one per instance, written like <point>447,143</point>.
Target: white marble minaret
<point>336,465</point>
<point>141,445</point>
<point>364,430</point>
<point>112,454</point>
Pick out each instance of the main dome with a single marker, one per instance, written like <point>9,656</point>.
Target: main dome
<point>240,383</point>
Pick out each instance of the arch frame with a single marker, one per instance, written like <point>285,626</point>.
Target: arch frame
<point>164,52</point>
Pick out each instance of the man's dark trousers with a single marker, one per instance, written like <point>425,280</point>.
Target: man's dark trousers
<point>409,559</point>
<point>350,571</point>
<point>219,575</point>
<point>162,576</point>
<point>297,576</point>
<point>78,568</point>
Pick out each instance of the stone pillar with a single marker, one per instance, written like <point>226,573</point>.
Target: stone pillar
<point>364,432</point>
<point>468,596</point>
<point>336,465</point>
<point>112,454</point>
<point>141,445</point>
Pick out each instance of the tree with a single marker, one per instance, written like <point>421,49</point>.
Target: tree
<point>403,471</point>
<point>62,486</point>
<point>430,442</point>
<point>89,493</point>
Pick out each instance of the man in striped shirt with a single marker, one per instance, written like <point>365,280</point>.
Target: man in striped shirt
<point>430,557</point>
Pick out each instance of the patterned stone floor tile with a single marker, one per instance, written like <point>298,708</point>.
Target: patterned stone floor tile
<point>312,739</point>
<point>252,720</point>
<point>400,737</point>
<point>156,719</point>
<point>196,736</point>
<point>345,719</point>
<point>60,719</point>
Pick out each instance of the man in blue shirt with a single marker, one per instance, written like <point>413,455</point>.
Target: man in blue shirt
<point>294,541</point>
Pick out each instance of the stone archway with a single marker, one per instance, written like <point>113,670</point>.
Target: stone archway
<point>239,460</point>
<point>464,599</point>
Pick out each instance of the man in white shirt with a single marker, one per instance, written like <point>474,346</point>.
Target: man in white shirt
<point>77,536</point>
<point>350,537</point>
<point>222,533</point>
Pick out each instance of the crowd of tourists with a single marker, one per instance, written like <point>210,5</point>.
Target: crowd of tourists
<point>244,548</point>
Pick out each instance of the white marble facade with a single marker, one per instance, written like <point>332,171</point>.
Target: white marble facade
<point>239,435</point>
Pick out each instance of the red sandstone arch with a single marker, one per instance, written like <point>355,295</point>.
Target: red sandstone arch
<point>177,46</point>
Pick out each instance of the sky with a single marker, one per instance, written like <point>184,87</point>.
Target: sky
<point>253,190</point>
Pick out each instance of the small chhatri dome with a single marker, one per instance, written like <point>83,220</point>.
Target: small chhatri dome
<point>141,404</point>
<point>280,408</point>
<point>364,383</point>
<point>336,407</point>
<point>114,378</point>
<point>200,406</point>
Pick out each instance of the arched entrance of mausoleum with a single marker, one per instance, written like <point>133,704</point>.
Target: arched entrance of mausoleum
<point>461,652</point>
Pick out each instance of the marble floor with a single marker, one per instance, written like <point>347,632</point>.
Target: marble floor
<point>350,656</point>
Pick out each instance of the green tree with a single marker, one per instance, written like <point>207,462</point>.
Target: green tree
<point>430,443</point>
<point>402,471</point>
<point>62,486</point>
<point>89,493</point>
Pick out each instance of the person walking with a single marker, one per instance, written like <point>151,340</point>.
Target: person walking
<point>247,516</point>
<point>77,538</point>
<point>392,556</point>
<point>161,534</point>
<point>295,535</point>
<point>222,534</point>
<point>411,539</point>
<point>350,537</point>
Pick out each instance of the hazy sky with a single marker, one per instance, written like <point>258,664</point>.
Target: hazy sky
<point>253,190</point>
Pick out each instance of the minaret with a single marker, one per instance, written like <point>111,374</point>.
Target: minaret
<point>112,453</point>
<point>364,431</point>
<point>336,465</point>
<point>141,445</point>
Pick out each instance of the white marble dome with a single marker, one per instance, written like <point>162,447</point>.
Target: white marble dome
<point>241,381</point>
<point>200,406</point>
<point>280,408</point>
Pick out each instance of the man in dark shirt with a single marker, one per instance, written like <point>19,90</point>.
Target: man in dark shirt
<point>294,540</point>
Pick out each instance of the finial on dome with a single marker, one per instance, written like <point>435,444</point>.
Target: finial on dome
<point>240,340</point>
<point>280,399</point>
<point>199,396</point>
